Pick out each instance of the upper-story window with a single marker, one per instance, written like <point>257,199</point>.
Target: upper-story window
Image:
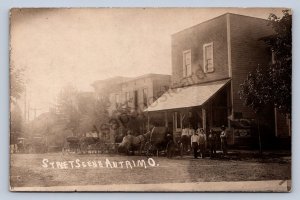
<point>208,58</point>
<point>187,63</point>
<point>127,97</point>
<point>145,97</point>
<point>136,99</point>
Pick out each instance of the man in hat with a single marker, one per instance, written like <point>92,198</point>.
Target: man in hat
<point>185,139</point>
<point>195,144</point>
<point>202,142</point>
<point>223,137</point>
<point>212,140</point>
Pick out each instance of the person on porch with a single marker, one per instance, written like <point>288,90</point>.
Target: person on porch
<point>223,137</point>
<point>202,141</point>
<point>195,144</point>
<point>212,140</point>
<point>185,139</point>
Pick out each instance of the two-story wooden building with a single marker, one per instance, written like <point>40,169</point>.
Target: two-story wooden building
<point>209,63</point>
<point>131,96</point>
<point>139,92</point>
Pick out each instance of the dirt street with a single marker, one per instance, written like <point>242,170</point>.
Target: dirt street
<point>59,169</point>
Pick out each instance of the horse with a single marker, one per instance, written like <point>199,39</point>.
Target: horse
<point>131,142</point>
<point>153,140</point>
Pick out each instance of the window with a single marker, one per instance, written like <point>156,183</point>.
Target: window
<point>187,63</point>
<point>145,96</point>
<point>117,99</point>
<point>127,97</point>
<point>135,99</point>
<point>208,58</point>
<point>273,61</point>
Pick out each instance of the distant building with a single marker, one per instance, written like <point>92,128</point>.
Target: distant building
<point>209,62</point>
<point>104,87</point>
<point>134,94</point>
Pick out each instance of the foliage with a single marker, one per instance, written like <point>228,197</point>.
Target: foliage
<point>67,109</point>
<point>94,114</point>
<point>16,123</point>
<point>271,85</point>
<point>16,83</point>
<point>82,112</point>
<point>129,119</point>
<point>16,90</point>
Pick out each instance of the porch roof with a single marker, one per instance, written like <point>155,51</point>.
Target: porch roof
<point>185,97</point>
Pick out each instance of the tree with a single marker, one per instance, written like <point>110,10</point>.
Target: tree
<point>16,90</point>
<point>16,83</point>
<point>271,85</point>
<point>68,109</point>
<point>93,114</point>
<point>82,112</point>
<point>281,70</point>
<point>16,123</point>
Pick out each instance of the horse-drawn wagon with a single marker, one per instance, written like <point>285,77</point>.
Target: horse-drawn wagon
<point>35,144</point>
<point>158,140</point>
<point>89,145</point>
<point>72,144</point>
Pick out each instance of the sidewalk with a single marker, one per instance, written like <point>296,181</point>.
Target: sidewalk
<point>240,186</point>
<point>268,154</point>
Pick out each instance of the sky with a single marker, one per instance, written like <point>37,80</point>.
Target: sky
<point>59,47</point>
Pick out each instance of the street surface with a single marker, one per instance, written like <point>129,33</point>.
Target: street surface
<point>58,169</point>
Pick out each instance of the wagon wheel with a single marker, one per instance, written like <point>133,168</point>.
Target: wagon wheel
<point>112,148</point>
<point>83,147</point>
<point>64,150</point>
<point>78,148</point>
<point>148,148</point>
<point>102,147</point>
<point>30,149</point>
<point>98,147</point>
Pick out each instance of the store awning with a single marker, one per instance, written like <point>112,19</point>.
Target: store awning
<point>185,97</point>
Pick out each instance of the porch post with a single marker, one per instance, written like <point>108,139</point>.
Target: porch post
<point>276,131</point>
<point>181,119</point>
<point>204,119</point>
<point>210,116</point>
<point>229,105</point>
<point>148,122</point>
<point>174,121</point>
<point>166,119</point>
<point>182,116</point>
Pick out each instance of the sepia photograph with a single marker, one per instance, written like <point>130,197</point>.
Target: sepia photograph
<point>150,99</point>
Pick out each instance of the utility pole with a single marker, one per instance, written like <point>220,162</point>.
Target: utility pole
<point>35,109</point>
<point>25,104</point>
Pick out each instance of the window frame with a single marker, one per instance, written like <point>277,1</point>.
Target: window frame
<point>204,57</point>
<point>184,68</point>
<point>146,104</point>
<point>117,99</point>
<point>127,97</point>
<point>136,98</point>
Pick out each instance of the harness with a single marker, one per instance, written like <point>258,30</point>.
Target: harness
<point>142,137</point>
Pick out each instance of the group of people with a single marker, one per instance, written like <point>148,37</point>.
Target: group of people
<point>199,141</point>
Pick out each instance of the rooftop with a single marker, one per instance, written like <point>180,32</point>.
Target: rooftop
<point>191,27</point>
<point>122,79</point>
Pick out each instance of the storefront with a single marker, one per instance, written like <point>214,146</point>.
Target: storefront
<point>206,105</point>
